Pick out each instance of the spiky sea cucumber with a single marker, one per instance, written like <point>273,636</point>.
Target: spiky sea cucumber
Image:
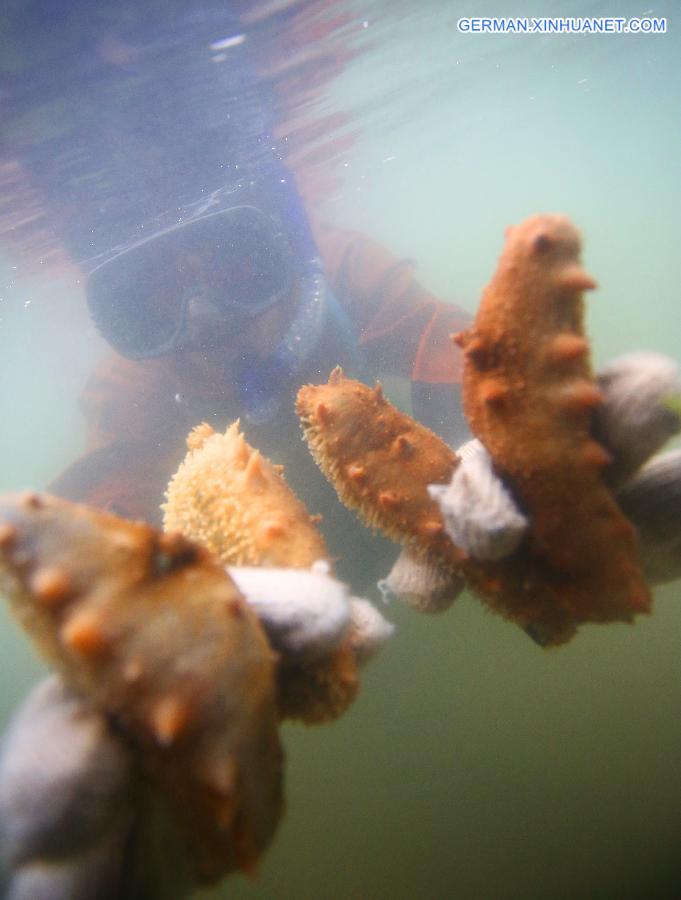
<point>380,461</point>
<point>154,633</point>
<point>529,396</point>
<point>230,499</point>
<point>233,501</point>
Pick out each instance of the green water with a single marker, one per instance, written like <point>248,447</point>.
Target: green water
<point>473,765</point>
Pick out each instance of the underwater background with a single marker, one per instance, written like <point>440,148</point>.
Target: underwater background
<point>473,764</point>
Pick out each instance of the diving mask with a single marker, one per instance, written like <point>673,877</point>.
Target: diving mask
<point>190,286</point>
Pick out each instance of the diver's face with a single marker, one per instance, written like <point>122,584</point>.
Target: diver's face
<point>207,324</point>
<point>216,316</point>
<point>200,286</point>
<point>210,326</point>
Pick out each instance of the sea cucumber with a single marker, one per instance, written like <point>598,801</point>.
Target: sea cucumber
<point>154,633</point>
<point>380,462</point>
<point>230,499</point>
<point>529,396</point>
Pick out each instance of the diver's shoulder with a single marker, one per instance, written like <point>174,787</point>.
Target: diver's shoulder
<point>119,371</point>
<point>349,253</point>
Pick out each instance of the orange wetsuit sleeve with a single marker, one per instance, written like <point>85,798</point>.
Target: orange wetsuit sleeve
<point>405,329</point>
<point>124,400</point>
<point>133,440</point>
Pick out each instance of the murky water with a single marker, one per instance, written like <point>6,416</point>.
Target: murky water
<point>473,764</point>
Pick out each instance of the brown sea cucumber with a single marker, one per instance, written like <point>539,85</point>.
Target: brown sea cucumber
<point>155,635</point>
<point>529,395</point>
<point>379,460</point>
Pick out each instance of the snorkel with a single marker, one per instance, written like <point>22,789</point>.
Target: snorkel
<point>262,384</point>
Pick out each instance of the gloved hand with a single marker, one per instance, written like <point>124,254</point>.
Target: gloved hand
<point>65,799</point>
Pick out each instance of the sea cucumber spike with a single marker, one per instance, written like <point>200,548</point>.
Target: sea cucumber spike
<point>233,429</point>
<point>198,436</point>
<point>493,392</point>
<point>542,243</point>
<point>336,376</point>
<point>356,472</point>
<point>240,449</point>
<point>51,585</point>
<point>432,528</point>
<point>388,499</point>
<point>253,473</point>
<point>567,347</point>
<point>574,278</point>
<point>595,455</point>
<point>580,396</point>
<point>272,527</point>
<point>83,633</point>
<point>323,414</point>
<point>378,394</point>
<point>461,338</point>
<point>476,351</point>
<point>168,719</point>
<point>179,549</point>
<point>403,447</point>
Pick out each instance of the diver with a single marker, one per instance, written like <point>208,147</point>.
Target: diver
<point>226,316</point>
<point>217,291</point>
